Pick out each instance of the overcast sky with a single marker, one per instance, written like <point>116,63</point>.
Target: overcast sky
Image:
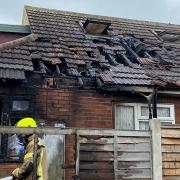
<point>152,10</point>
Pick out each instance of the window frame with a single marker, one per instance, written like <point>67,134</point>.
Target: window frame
<point>24,110</point>
<point>139,118</point>
<point>135,113</point>
<point>171,106</point>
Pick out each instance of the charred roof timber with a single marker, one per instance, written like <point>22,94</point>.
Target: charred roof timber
<point>111,58</point>
<point>93,26</point>
<point>125,60</point>
<point>129,50</point>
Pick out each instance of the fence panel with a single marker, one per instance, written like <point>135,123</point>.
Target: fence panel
<point>125,155</point>
<point>171,153</point>
<point>105,154</point>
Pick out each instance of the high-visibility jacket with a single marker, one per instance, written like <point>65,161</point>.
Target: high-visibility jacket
<point>25,171</point>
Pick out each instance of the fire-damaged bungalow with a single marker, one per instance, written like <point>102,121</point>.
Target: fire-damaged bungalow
<point>87,71</point>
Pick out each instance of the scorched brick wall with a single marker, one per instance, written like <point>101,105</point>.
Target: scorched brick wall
<point>83,109</point>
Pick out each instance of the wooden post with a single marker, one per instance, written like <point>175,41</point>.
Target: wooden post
<point>77,155</point>
<point>115,158</point>
<point>35,157</point>
<point>156,149</point>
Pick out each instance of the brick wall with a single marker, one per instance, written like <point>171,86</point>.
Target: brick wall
<point>6,37</point>
<point>84,109</point>
<point>6,169</point>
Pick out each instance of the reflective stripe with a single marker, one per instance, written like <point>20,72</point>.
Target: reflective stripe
<point>40,169</point>
<point>28,155</point>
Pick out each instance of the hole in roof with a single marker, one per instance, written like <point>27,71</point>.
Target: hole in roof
<point>51,68</point>
<point>100,50</point>
<point>83,73</point>
<point>141,53</point>
<point>35,65</point>
<point>44,39</point>
<point>119,58</point>
<point>169,48</point>
<point>95,26</point>
<point>109,42</point>
<point>141,39</point>
<point>152,53</point>
<point>91,54</point>
<point>168,35</point>
<point>32,51</point>
<point>63,65</point>
<point>95,41</point>
<point>95,64</point>
<point>74,51</point>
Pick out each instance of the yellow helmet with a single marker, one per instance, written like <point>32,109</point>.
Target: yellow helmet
<point>27,122</point>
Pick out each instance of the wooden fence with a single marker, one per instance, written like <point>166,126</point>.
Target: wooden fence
<point>125,155</point>
<point>171,152</point>
<point>111,154</point>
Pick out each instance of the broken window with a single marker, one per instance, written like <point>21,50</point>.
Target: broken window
<point>168,36</point>
<point>97,27</point>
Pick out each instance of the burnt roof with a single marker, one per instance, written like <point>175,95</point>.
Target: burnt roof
<point>131,53</point>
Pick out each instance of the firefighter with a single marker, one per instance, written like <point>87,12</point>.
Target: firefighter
<point>26,170</point>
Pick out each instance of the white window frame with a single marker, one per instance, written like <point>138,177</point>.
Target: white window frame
<point>138,117</point>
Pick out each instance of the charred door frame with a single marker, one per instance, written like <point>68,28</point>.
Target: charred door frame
<point>8,114</point>
<point>4,121</point>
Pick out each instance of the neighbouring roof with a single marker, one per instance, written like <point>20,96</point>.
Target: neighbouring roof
<point>130,54</point>
<point>24,29</point>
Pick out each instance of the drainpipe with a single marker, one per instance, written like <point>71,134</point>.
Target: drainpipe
<point>151,99</point>
<point>155,102</point>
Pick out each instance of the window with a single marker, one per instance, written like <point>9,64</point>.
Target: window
<point>131,116</point>
<point>125,116</point>
<point>92,26</point>
<point>168,36</point>
<point>20,105</point>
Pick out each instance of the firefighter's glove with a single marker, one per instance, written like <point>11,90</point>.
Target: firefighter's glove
<point>15,173</point>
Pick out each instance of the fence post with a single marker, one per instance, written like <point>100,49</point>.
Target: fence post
<point>115,158</point>
<point>155,127</point>
<point>77,155</point>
